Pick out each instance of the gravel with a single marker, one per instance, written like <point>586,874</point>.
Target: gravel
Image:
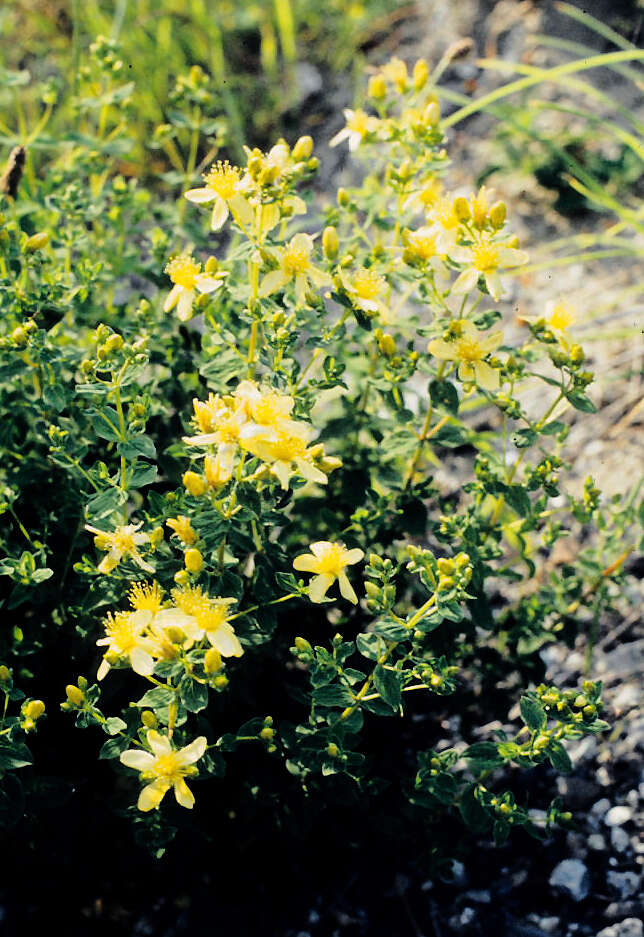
<point>571,877</point>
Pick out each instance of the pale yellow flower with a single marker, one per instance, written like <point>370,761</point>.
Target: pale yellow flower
<point>484,259</point>
<point>209,617</point>
<point>264,406</point>
<point>121,542</point>
<point>188,280</point>
<point>425,198</point>
<point>470,349</point>
<point>328,561</point>
<point>295,265</point>
<point>219,420</point>
<point>126,640</point>
<point>218,469</point>
<point>284,449</point>
<point>559,316</point>
<point>224,188</point>
<point>165,767</point>
<point>445,224</point>
<point>182,527</point>
<point>359,124</point>
<point>422,243</point>
<point>366,289</point>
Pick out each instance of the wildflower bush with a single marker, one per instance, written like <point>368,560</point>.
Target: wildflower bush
<point>279,497</point>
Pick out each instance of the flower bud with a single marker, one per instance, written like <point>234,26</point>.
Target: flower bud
<point>36,242</point>
<point>74,695</point>
<point>181,577</point>
<point>212,661</point>
<point>220,682</point>
<point>377,87</point>
<point>577,354</point>
<point>194,483</point>
<point>5,674</point>
<point>33,709</point>
<point>267,733</point>
<point>420,74</point>
<point>387,344</point>
<point>193,560</point>
<point>461,208</point>
<point>330,242</point>
<point>149,719</point>
<point>332,750</point>
<point>497,214</point>
<point>302,148</point>
<point>302,644</point>
<point>343,197</point>
<point>432,114</point>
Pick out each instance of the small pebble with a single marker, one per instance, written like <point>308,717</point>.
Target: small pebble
<point>549,924</point>
<point>619,838</point>
<point>629,927</point>
<point>572,877</point>
<point>623,884</point>
<point>601,807</point>
<point>596,842</point>
<point>617,816</point>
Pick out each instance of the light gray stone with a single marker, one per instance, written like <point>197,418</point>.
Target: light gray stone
<point>623,884</point>
<point>617,816</point>
<point>572,877</point>
<point>629,927</point>
<point>619,838</point>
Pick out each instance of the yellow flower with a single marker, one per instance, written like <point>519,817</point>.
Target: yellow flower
<point>187,277</point>
<point>395,72</point>
<point>285,449</point>
<point>183,528</point>
<point>422,243</point>
<point>210,618</point>
<point>266,407</point>
<point>224,187</point>
<point>470,350</point>
<point>328,561</point>
<point>425,198</point>
<point>445,223</point>
<point>122,542</point>
<point>220,423</point>
<point>218,469</point>
<point>146,597</point>
<point>126,639</point>
<point>484,259</point>
<point>359,125</point>
<point>295,264</point>
<point>165,767</point>
<point>559,316</point>
<point>366,289</point>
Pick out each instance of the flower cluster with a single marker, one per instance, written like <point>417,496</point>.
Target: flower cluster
<point>258,422</point>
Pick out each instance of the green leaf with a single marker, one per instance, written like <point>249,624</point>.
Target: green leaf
<point>559,758</point>
<point>443,394</point>
<point>158,696</point>
<point>113,748</point>
<point>387,683</point>
<point>14,755</point>
<point>553,428</point>
<point>194,696</point>
<point>532,713</point>
<point>518,499</point>
<point>581,401</point>
<point>370,645</point>
<point>484,756</point>
<point>143,474</point>
<point>138,446</point>
<point>450,436</point>
<point>334,695</point>
<point>391,630</point>
<point>474,814</point>
<point>114,725</point>
<point>524,438</point>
